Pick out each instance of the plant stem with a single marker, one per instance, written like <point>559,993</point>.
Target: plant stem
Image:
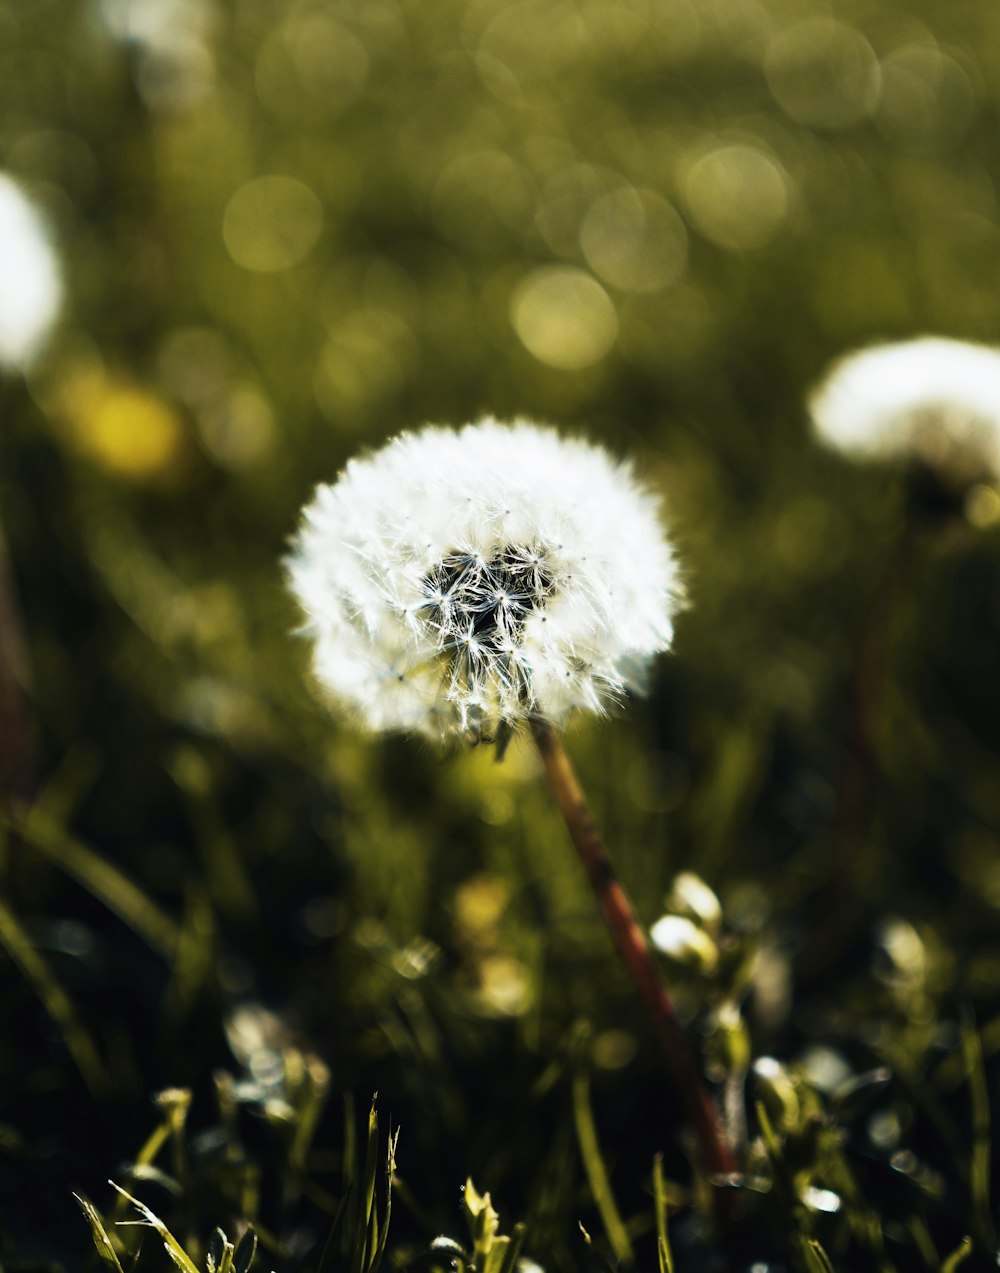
<point>633,947</point>
<point>869,678</point>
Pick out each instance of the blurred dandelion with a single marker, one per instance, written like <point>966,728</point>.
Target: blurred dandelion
<point>460,583</point>
<point>933,405</point>
<point>30,284</point>
<point>935,399</point>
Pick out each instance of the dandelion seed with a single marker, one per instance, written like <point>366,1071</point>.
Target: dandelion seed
<point>459,582</point>
<point>935,399</point>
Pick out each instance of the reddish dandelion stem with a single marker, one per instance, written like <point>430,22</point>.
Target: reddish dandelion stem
<point>633,948</point>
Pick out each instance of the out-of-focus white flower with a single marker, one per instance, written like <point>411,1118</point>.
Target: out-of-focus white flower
<point>457,582</point>
<point>934,398</point>
<point>685,942</point>
<point>689,895</point>
<point>819,1199</point>
<point>30,285</point>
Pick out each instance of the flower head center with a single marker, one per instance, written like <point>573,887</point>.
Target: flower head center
<point>481,602</point>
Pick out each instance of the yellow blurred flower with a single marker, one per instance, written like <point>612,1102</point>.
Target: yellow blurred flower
<point>121,425</point>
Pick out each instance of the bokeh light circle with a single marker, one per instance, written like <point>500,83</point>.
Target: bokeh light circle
<point>927,97</point>
<point>271,223</point>
<point>564,317</point>
<point>823,73</point>
<point>737,195</point>
<point>634,240</point>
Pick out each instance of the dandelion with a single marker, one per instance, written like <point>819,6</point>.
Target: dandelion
<point>935,404</point>
<point>934,399</point>
<point>30,286</point>
<point>462,583</point>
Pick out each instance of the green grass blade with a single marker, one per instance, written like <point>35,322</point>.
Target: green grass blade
<point>350,1207</point>
<point>960,1254</point>
<point>224,869</point>
<point>327,1255</point>
<point>923,1241</point>
<point>371,1240</point>
<point>814,1257</point>
<point>103,881</point>
<point>664,1254</point>
<point>172,1247</point>
<point>359,1235</point>
<point>371,1160</point>
<point>54,999</point>
<point>768,1134</point>
<point>193,959</point>
<point>173,1103</point>
<point>246,1249</point>
<point>513,1250</point>
<point>103,1243</point>
<point>390,1168</point>
<point>597,1176</point>
<point>317,1091</point>
<point>226,1263</point>
<point>979,1163</point>
<point>597,1256</point>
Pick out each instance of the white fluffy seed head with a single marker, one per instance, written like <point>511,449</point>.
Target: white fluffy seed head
<point>457,582</point>
<point>933,398</point>
<point>30,285</point>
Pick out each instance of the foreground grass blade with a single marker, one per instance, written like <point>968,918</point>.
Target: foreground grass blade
<point>55,1000</point>
<point>390,1167</point>
<point>246,1249</point>
<point>597,1176</point>
<point>664,1254</point>
<point>365,1232</point>
<point>960,1254</point>
<point>365,1199</point>
<point>979,1165</point>
<point>172,1247</point>
<point>513,1249</point>
<point>814,1257</point>
<point>103,1243</point>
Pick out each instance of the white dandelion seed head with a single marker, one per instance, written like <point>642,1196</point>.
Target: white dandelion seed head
<point>460,581</point>
<point>30,284</point>
<point>934,398</point>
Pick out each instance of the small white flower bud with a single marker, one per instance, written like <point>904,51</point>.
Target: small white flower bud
<point>690,895</point>
<point>814,1199</point>
<point>683,941</point>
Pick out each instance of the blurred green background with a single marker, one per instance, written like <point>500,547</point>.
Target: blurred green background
<point>287,230</point>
